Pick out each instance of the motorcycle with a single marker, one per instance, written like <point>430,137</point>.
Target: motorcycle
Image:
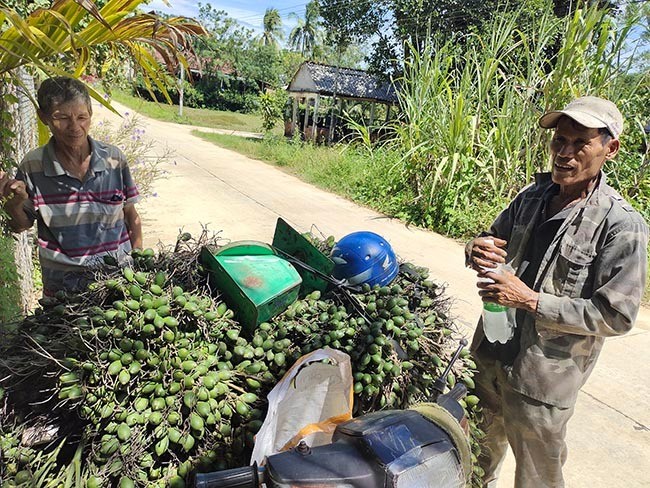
<point>425,446</point>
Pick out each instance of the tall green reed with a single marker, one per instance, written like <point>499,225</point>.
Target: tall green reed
<point>468,137</point>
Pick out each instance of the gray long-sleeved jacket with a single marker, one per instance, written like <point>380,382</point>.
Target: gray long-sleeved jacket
<point>591,281</point>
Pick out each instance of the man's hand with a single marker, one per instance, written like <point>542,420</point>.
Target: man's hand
<point>13,194</point>
<point>14,191</point>
<point>507,290</point>
<point>485,252</point>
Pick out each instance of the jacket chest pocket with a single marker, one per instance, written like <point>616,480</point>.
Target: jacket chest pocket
<point>573,274</point>
<point>529,212</point>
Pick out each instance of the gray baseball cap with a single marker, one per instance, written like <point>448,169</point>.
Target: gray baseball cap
<point>592,112</point>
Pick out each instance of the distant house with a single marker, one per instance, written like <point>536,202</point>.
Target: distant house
<point>313,81</point>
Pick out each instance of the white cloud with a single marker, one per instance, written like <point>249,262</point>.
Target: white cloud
<point>189,8</point>
<point>185,8</point>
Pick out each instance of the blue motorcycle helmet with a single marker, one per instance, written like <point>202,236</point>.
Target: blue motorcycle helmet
<point>364,257</point>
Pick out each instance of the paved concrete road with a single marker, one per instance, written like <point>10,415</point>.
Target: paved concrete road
<point>609,435</point>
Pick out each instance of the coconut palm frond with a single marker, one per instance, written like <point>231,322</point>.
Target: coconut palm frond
<point>72,28</point>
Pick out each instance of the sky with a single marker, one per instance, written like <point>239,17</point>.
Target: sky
<point>248,12</point>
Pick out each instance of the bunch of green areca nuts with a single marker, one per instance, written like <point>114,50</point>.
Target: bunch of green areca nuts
<point>147,377</point>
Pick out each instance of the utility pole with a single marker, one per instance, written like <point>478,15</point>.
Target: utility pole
<point>330,132</point>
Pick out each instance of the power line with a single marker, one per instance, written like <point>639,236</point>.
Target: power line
<point>261,16</point>
<point>252,19</point>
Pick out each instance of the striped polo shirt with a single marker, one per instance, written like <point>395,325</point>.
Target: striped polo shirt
<point>78,222</point>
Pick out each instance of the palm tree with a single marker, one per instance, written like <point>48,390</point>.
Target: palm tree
<point>305,35</point>
<point>73,28</point>
<point>272,28</point>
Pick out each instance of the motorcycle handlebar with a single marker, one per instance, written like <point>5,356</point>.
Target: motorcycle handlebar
<point>457,392</point>
<point>246,477</point>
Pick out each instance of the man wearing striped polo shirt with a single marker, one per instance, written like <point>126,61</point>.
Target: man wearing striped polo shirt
<point>79,191</point>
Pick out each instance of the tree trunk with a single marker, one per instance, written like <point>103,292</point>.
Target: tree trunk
<point>23,125</point>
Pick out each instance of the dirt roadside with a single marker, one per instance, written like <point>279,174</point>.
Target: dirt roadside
<point>609,435</point>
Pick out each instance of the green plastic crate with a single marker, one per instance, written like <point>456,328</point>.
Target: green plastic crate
<point>288,240</point>
<point>256,283</point>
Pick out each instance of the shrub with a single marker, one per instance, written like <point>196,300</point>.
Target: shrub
<point>272,107</point>
<point>145,165</point>
<point>9,289</point>
<point>192,97</point>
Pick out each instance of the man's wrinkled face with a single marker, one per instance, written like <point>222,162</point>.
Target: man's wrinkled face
<point>69,123</point>
<point>578,154</point>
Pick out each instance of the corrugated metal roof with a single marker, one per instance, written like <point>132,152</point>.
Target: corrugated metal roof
<point>345,82</point>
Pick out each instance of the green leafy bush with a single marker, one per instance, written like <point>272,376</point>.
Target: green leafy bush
<point>192,97</point>
<point>272,108</point>
<point>9,289</point>
<point>630,171</point>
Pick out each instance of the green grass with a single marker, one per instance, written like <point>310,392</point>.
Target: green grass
<point>373,179</point>
<point>191,116</point>
<point>370,180</point>
<point>9,289</point>
<point>327,167</point>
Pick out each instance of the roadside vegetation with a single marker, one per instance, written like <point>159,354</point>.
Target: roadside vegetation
<point>9,289</point>
<point>471,139</point>
<point>130,136</point>
<point>345,170</point>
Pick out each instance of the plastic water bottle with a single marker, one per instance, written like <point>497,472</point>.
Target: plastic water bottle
<point>498,320</point>
<point>496,324</point>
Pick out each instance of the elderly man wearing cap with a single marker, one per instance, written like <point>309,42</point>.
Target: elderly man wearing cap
<point>578,251</point>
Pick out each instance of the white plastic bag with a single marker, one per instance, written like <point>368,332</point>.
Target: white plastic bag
<point>307,404</point>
